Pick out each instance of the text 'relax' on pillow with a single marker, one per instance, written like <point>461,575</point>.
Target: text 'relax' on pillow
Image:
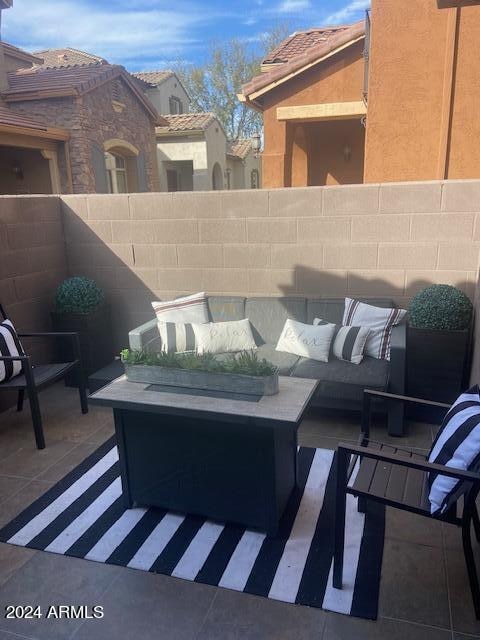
<point>457,445</point>
<point>9,346</point>
<point>348,342</point>
<point>187,309</point>
<point>224,337</point>
<point>380,321</point>
<point>306,340</point>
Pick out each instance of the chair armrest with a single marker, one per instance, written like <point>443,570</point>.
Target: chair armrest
<point>403,461</point>
<point>72,335</point>
<point>398,358</point>
<point>14,358</point>
<point>145,337</point>
<point>384,395</point>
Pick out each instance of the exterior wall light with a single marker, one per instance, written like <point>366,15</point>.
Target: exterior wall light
<point>256,144</point>
<point>17,171</point>
<point>347,152</point>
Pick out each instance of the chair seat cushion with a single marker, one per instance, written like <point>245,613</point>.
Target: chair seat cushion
<point>344,380</point>
<point>41,374</point>
<point>457,445</point>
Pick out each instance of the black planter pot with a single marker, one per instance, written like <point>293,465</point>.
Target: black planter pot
<point>95,332</point>
<point>438,367</point>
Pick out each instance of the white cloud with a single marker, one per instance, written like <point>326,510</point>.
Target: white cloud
<point>147,32</point>
<point>290,6</point>
<point>348,12</point>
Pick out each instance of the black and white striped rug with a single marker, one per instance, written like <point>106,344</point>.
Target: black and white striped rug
<point>83,516</point>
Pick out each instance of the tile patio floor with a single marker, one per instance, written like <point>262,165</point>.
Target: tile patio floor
<point>424,590</point>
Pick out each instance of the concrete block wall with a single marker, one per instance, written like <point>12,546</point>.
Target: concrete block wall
<point>32,265</point>
<point>368,240</point>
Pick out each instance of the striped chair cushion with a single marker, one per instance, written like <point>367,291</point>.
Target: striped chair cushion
<point>380,321</point>
<point>457,445</point>
<point>348,342</point>
<point>9,346</point>
<point>187,309</point>
<point>177,337</point>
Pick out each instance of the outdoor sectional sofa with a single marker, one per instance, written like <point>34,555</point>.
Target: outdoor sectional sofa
<point>341,383</point>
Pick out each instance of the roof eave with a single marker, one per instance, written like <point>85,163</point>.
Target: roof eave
<point>250,95</point>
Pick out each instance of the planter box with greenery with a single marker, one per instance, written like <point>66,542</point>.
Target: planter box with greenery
<point>240,374</point>
<point>439,343</point>
<point>80,306</point>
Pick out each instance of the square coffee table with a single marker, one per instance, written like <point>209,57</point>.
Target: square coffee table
<point>224,458</point>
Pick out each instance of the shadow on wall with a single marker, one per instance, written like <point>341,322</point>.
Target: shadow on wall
<point>133,271</point>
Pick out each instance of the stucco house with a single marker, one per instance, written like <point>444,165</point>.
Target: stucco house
<point>357,103</point>
<point>193,152</point>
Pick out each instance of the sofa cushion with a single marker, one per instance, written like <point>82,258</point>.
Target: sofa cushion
<point>268,316</point>
<point>284,361</point>
<point>340,379</point>
<point>226,308</point>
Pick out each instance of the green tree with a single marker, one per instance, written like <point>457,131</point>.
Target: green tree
<point>214,85</point>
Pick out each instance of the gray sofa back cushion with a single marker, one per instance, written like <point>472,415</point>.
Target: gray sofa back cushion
<point>267,316</point>
<point>226,308</point>
<point>331,309</point>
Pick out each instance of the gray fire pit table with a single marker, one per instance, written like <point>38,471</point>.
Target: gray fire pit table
<point>231,459</point>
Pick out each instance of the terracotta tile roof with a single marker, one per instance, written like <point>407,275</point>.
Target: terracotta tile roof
<point>239,148</point>
<point>153,78</point>
<point>20,54</point>
<point>68,57</point>
<point>187,122</point>
<point>38,83</point>
<point>71,80</point>
<point>299,42</point>
<point>309,56</point>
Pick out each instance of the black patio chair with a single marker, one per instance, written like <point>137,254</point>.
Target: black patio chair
<point>33,378</point>
<point>398,477</point>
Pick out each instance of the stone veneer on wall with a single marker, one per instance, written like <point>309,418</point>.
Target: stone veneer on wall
<point>92,119</point>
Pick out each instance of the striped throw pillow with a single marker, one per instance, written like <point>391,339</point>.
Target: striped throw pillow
<point>177,337</point>
<point>348,342</point>
<point>187,309</point>
<point>457,445</point>
<point>9,346</point>
<point>380,321</point>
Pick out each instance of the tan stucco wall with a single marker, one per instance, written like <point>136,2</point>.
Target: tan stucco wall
<point>415,69</point>
<point>340,79</point>
<point>159,96</point>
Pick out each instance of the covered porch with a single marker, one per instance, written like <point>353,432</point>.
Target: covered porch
<point>31,156</point>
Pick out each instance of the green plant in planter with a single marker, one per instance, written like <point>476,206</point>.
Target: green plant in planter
<point>78,295</point>
<point>246,363</point>
<point>440,307</point>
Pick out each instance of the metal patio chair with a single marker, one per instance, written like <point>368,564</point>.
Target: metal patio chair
<point>398,477</point>
<point>33,378</point>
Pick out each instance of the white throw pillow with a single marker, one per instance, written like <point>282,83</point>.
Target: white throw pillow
<point>348,342</point>
<point>306,340</point>
<point>380,321</point>
<point>224,337</point>
<point>176,337</point>
<point>187,309</point>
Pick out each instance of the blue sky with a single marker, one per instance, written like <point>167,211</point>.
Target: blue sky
<point>150,34</point>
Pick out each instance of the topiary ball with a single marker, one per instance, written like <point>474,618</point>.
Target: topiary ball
<point>440,306</point>
<point>78,295</point>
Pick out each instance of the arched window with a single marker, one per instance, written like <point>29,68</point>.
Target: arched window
<point>116,166</point>
<point>254,179</point>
